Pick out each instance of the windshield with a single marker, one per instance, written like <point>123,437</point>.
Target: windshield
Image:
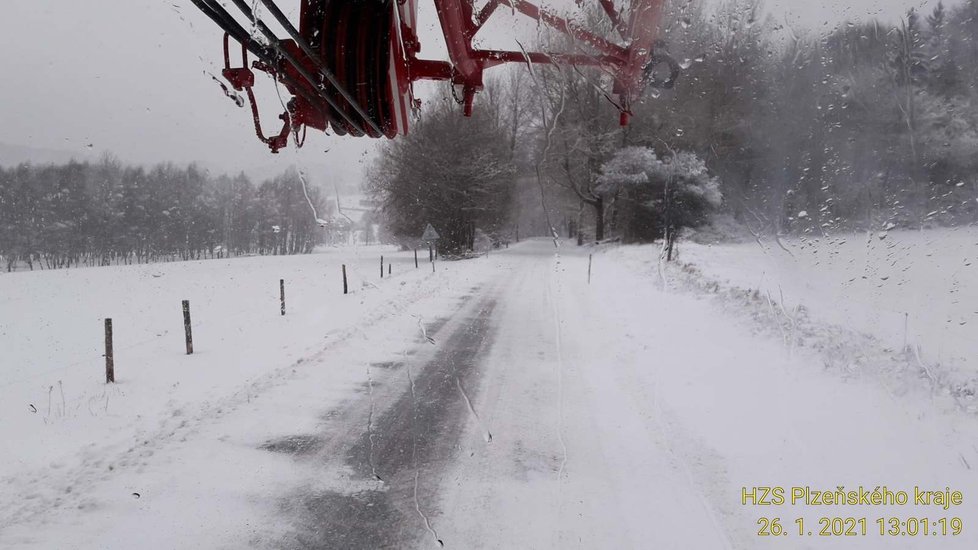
<point>595,274</point>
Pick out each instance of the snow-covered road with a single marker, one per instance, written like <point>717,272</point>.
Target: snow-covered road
<point>579,457</point>
<point>544,412</point>
<point>626,417</point>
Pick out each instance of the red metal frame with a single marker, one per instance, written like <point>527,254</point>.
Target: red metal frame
<point>627,63</point>
<point>322,100</point>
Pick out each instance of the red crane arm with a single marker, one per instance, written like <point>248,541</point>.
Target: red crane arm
<point>350,65</point>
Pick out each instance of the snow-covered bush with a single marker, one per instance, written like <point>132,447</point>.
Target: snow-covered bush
<point>655,198</point>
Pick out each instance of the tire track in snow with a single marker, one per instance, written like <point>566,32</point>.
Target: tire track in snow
<point>414,437</point>
<point>629,389</point>
<point>667,437</point>
<point>555,280</point>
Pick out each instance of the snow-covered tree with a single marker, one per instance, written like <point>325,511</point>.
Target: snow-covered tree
<point>98,214</point>
<point>655,198</point>
<point>944,75</point>
<point>453,172</point>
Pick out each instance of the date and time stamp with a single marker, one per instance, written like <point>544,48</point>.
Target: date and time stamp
<point>903,515</point>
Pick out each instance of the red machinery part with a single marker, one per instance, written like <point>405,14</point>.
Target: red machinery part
<point>362,43</point>
<point>351,64</point>
<point>629,64</point>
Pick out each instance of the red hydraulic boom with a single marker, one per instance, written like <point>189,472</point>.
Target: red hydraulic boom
<point>350,65</point>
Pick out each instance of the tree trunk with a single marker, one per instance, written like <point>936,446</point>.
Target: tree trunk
<point>599,219</point>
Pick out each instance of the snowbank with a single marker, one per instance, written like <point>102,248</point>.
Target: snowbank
<point>916,288</point>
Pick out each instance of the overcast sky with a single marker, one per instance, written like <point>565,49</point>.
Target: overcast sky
<point>130,77</point>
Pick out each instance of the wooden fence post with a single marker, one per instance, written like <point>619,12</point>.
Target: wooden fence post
<point>344,279</point>
<point>415,258</point>
<point>109,358</point>
<point>281,291</point>
<point>388,269</point>
<point>382,267</point>
<point>186,327</point>
<point>589,258</point>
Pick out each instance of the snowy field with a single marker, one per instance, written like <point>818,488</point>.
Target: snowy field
<point>500,402</point>
<point>916,288</point>
<point>71,430</point>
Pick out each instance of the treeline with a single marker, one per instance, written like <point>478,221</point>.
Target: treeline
<point>107,213</point>
<point>867,125</point>
<point>861,126</point>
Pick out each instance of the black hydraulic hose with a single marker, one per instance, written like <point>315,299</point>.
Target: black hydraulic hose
<point>219,15</point>
<point>316,83</point>
<point>294,34</point>
<point>228,24</point>
<point>283,53</point>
